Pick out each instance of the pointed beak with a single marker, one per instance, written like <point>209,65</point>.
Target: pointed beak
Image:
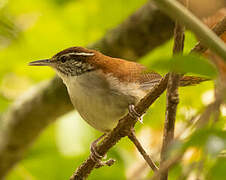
<point>44,62</point>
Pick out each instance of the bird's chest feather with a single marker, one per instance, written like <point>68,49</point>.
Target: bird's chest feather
<point>101,100</point>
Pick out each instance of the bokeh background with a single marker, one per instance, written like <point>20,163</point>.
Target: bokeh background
<point>37,29</point>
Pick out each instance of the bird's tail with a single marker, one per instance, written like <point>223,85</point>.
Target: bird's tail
<point>191,80</point>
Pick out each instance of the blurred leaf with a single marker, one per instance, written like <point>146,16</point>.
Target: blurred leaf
<point>44,161</point>
<point>186,64</point>
<point>61,2</point>
<point>175,172</point>
<point>7,27</point>
<point>154,117</point>
<point>3,103</point>
<point>217,172</point>
<point>202,136</point>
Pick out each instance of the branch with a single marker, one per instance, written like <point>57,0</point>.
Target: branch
<point>203,8</point>
<point>28,116</point>
<point>122,129</point>
<point>218,29</point>
<point>167,165</point>
<point>132,137</point>
<point>172,99</point>
<point>184,16</point>
<point>203,119</point>
<point>171,107</point>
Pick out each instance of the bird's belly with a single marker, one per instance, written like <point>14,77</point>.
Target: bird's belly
<point>100,113</point>
<point>100,109</point>
<point>100,103</point>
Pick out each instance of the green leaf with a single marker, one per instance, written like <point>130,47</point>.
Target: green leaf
<point>186,64</point>
<point>217,172</point>
<point>203,137</point>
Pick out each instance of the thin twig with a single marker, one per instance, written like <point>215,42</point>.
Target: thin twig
<point>167,165</point>
<point>175,159</point>
<point>172,99</point>
<point>132,137</point>
<point>184,16</point>
<point>122,129</point>
<point>219,29</point>
<point>212,107</point>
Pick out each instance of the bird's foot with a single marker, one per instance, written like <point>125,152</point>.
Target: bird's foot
<point>96,157</point>
<point>134,114</point>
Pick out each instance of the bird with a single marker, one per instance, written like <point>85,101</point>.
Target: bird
<point>103,89</point>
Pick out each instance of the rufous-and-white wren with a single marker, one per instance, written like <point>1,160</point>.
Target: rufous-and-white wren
<point>102,88</point>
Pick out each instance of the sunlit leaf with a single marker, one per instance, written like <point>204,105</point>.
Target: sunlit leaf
<point>203,136</point>
<point>217,172</point>
<point>186,64</point>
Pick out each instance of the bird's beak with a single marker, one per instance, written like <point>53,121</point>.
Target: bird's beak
<point>44,62</point>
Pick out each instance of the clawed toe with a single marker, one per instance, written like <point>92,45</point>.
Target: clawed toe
<point>134,114</point>
<point>95,156</point>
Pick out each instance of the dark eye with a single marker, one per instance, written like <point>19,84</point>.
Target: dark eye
<point>63,59</point>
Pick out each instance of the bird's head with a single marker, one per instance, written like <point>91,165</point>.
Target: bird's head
<point>72,61</point>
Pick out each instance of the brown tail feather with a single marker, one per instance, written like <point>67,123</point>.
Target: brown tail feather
<point>191,80</point>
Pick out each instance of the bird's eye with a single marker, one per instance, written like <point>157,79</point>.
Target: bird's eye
<point>63,59</point>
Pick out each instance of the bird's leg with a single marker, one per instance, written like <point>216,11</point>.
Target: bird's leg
<point>134,114</point>
<point>96,157</point>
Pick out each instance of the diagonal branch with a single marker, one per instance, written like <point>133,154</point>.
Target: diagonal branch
<point>184,16</point>
<point>172,99</point>
<point>219,29</point>
<point>133,138</point>
<point>122,129</point>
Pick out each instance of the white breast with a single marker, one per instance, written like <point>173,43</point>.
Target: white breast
<point>100,103</point>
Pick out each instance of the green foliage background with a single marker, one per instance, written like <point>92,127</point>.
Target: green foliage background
<point>37,29</point>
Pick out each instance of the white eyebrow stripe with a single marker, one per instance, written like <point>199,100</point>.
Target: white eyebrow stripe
<point>81,54</point>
